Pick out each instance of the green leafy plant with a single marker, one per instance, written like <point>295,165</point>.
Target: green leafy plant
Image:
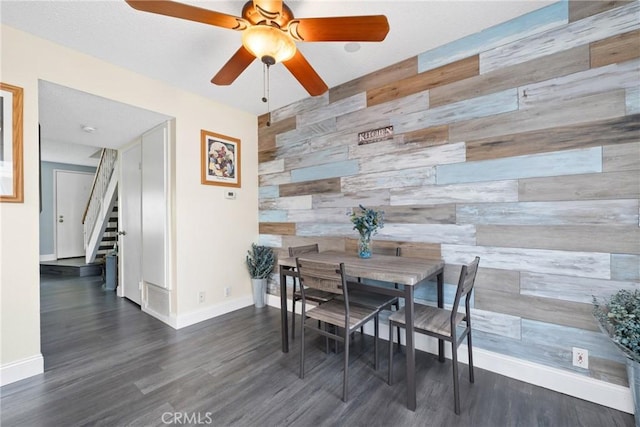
<point>367,221</point>
<point>260,261</point>
<point>619,317</point>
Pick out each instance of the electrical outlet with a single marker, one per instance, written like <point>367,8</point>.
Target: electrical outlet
<point>201,297</point>
<point>580,357</point>
<point>227,291</point>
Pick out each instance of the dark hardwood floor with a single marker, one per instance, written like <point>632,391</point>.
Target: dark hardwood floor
<point>107,363</point>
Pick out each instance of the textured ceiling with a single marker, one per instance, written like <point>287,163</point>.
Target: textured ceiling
<point>187,54</point>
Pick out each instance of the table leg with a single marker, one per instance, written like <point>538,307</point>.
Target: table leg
<point>283,311</point>
<point>411,350</point>
<point>441,305</point>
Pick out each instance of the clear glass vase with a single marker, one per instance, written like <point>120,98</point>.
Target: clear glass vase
<point>364,246</point>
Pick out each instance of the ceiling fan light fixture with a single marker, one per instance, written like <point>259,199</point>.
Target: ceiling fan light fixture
<point>270,44</point>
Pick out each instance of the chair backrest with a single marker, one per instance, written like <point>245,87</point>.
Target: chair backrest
<point>324,276</point>
<point>465,284</point>
<point>296,251</point>
<point>383,250</point>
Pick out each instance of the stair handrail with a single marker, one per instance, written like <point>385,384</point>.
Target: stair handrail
<point>101,179</point>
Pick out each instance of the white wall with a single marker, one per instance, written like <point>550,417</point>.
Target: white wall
<point>210,233</point>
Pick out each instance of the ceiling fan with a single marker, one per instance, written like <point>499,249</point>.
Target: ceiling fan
<point>269,32</point>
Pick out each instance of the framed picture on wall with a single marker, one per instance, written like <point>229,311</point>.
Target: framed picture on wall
<point>220,159</point>
<point>11,169</point>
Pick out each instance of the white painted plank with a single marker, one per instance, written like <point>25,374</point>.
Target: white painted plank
<point>485,192</point>
<point>418,157</point>
<point>564,263</point>
<point>632,98</point>
<point>496,323</point>
<point>306,104</point>
<point>301,133</point>
<point>315,158</point>
<point>335,215</point>
<point>274,179</point>
<point>285,203</point>
<point>410,177</point>
<point>605,212</point>
<point>270,240</point>
<point>567,288</point>
<point>273,166</point>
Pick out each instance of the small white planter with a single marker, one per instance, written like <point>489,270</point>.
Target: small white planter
<point>259,292</point>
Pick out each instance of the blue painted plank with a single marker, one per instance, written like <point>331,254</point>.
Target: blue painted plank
<point>534,22</point>
<point>272,216</point>
<point>269,192</point>
<point>330,170</point>
<point>570,162</point>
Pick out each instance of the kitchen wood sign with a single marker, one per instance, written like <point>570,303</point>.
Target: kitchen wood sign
<point>375,135</point>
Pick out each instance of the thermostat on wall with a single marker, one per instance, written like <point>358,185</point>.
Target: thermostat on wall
<point>229,194</point>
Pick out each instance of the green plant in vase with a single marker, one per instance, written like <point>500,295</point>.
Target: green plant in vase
<point>367,222</point>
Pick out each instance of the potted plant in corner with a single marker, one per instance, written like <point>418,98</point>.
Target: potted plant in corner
<point>260,263</point>
<point>619,317</point>
<point>366,222</point>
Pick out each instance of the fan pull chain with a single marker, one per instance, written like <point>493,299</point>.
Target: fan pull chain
<point>266,97</point>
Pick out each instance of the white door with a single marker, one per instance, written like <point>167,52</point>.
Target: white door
<point>72,192</point>
<point>131,223</point>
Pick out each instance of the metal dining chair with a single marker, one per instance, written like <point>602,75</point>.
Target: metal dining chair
<point>314,295</point>
<point>374,300</point>
<point>442,324</point>
<point>345,317</point>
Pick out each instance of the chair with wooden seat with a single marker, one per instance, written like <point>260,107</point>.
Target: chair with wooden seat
<point>375,300</point>
<point>314,295</point>
<point>442,324</point>
<point>347,318</point>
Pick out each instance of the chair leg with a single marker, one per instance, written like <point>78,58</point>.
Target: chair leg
<point>390,372</point>
<point>456,392</point>
<point>470,350</point>
<point>302,347</point>
<point>345,379</point>
<point>376,360</point>
<point>397,304</point>
<point>293,316</point>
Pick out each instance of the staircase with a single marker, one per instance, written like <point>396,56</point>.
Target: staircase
<point>101,214</point>
<point>109,241</point>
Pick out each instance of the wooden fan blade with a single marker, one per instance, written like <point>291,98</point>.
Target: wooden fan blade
<point>270,9</point>
<point>191,13</point>
<point>234,67</point>
<point>305,74</point>
<point>372,28</point>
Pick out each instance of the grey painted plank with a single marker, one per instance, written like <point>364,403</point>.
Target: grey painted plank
<point>306,104</point>
<point>333,110</point>
<point>589,82</point>
<point>613,185</point>
<point>586,238</point>
<point>481,106</point>
<point>621,157</point>
<point>590,29</point>
<point>625,267</point>
<point>430,233</point>
<point>329,170</point>
<point>284,203</point>
<point>273,166</point>
<point>315,158</point>
<point>587,109</point>
<point>301,133</point>
<point>350,200</point>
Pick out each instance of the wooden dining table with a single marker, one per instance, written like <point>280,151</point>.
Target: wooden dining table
<point>404,271</point>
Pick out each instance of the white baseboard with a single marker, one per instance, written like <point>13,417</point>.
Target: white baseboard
<point>21,369</point>
<point>207,313</point>
<point>48,257</point>
<point>576,385</point>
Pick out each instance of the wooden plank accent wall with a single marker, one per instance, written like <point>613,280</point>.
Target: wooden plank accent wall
<point>519,144</point>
